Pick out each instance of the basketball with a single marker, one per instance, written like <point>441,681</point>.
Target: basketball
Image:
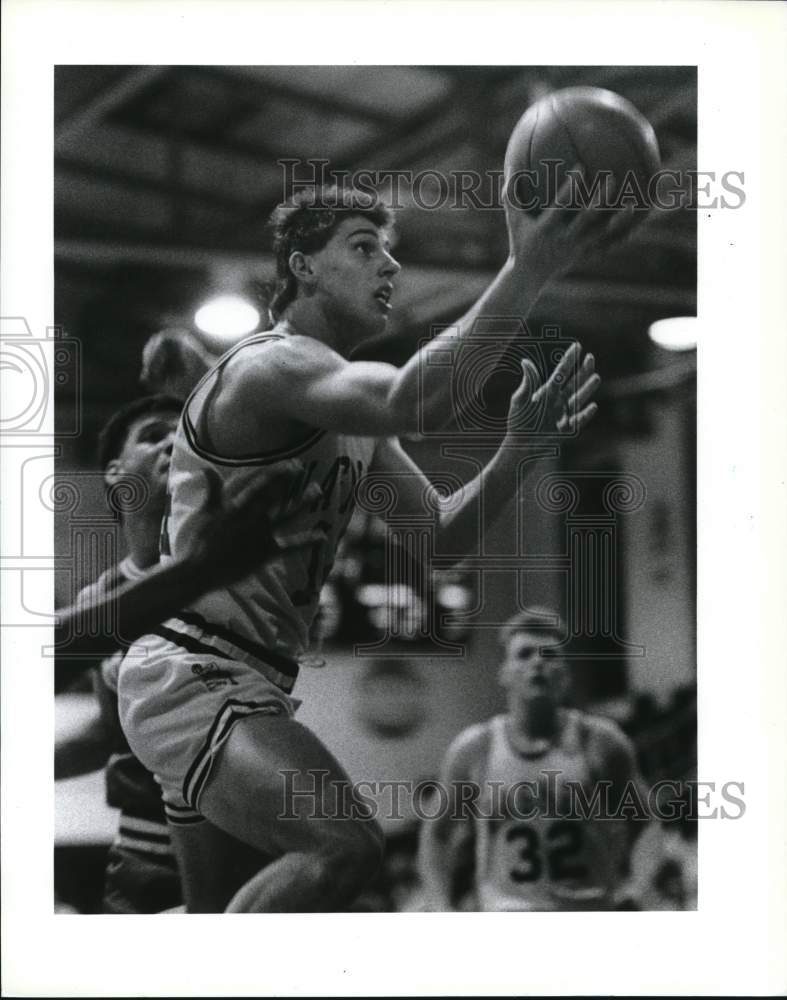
<point>588,127</point>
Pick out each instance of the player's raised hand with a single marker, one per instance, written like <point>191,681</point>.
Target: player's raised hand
<point>258,522</point>
<point>566,398</point>
<point>559,236</point>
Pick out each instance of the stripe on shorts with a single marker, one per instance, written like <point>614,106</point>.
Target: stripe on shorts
<point>196,636</point>
<point>144,827</point>
<point>132,842</point>
<point>284,664</point>
<point>178,815</point>
<point>183,819</point>
<point>231,712</point>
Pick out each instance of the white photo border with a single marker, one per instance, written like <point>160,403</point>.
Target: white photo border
<point>734,942</point>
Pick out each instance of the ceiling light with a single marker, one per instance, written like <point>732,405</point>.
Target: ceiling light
<point>679,333</point>
<point>227,316</point>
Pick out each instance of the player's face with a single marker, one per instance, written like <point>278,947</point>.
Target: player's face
<point>529,674</point>
<point>148,451</point>
<point>354,275</point>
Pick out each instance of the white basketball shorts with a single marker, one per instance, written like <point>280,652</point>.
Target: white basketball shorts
<point>182,689</point>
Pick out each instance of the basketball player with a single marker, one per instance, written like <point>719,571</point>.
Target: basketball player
<point>242,532</point>
<point>206,700</point>
<point>141,875</point>
<point>514,814</point>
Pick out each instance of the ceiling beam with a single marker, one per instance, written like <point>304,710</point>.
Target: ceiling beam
<point>581,292</point>
<point>91,113</point>
<point>138,182</point>
<point>198,138</point>
<point>435,126</point>
<point>146,250</point>
<point>329,103</point>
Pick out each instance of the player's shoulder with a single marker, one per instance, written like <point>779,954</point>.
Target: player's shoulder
<point>604,733</point>
<point>280,349</point>
<point>281,363</point>
<point>470,744</point>
<point>257,354</point>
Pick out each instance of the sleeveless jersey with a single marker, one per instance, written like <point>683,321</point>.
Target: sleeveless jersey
<point>535,853</point>
<point>264,618</point>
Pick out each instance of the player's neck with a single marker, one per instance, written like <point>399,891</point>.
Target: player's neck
<point>306,317</point>
<point>537,719</point>
<point>141,536</point>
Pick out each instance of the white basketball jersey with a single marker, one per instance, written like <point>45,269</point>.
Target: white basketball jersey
<point>551,860</point>
<point>271,610</point>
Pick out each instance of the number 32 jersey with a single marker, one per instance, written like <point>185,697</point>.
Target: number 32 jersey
<point>536,853</point>
<point>275,605</point>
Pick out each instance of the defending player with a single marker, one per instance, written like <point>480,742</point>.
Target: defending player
<point>141,874</point>
<point>206,700</point>
<point>521,789</point>
<point>243,532</point>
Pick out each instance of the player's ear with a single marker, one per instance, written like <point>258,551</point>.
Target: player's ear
<point>301,266</point>
<point>113,472</point>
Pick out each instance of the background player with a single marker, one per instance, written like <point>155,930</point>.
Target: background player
<point>220,752</point>
<point>528,846</point>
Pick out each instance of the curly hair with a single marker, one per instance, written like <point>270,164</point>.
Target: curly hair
<point>307,221</point>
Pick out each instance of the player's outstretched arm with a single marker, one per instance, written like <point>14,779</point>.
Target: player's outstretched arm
<point>540,249</point>
<point>446,842</point>
<point>243,532</point>
<point>303,379</point>
<point>564,402</point>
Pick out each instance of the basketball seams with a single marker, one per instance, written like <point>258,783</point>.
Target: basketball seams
<point>533,136</point>
<point>577,156</point>
<point>620,135</point>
